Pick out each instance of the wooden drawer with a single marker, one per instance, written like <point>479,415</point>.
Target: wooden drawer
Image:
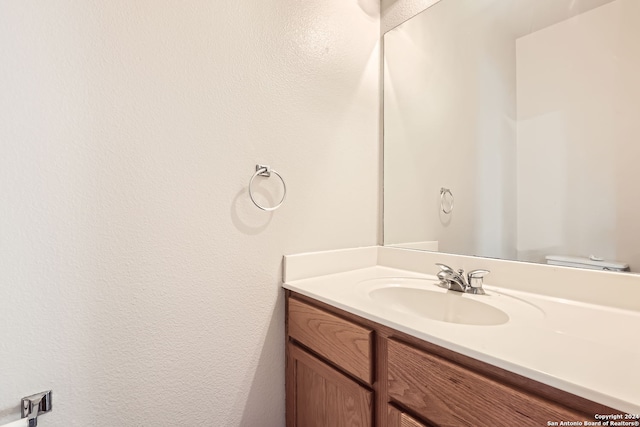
<point>446,394</point>
<point>343,343</point>
<point>397,418</point>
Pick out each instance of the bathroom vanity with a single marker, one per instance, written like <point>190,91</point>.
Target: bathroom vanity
<point>353,360</point>
<point>340,367</point>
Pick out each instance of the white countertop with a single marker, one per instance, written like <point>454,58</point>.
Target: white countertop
<point>583,348</point>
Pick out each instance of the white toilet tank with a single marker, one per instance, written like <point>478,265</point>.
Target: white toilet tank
<point>592,263</point>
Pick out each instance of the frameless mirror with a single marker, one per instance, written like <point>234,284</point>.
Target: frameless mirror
<point>512,130</point>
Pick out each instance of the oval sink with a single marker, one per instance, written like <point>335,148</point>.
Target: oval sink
<point>423,298</point>
<point>450,306</point>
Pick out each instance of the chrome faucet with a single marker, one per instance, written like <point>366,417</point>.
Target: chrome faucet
<point>456,281</point>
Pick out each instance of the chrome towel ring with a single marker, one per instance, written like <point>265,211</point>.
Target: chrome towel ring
<point>266,171</point>
<point>443,201</point>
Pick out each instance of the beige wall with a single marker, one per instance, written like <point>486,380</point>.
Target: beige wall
<point>395,12</point>
<point>137,280</point>
<point>578,136</point>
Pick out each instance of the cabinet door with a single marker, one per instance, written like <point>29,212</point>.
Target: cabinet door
<point>320,396</point>
<point>397,418</point>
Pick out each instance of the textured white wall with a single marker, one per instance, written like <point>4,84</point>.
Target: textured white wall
<point>395,12</point>
<point>578,114</point>
<point>136,279</point>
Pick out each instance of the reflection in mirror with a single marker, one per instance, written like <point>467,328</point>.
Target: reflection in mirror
<point>527,111</point>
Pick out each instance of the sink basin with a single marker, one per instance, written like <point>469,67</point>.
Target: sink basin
<point>450,306</point>
<point>423,298</point>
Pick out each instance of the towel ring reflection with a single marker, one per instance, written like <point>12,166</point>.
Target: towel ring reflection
<point>266,171</point>
<point>443,202</point>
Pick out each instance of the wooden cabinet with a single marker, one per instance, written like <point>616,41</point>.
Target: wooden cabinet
<point>323,393</point>
<point>449,395</point>
<point>396,418</point>
<point>343,370</point>
<point>343,343</point>
<point>324,397</point>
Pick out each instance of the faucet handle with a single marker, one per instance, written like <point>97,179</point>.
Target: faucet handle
<point>445,268</point>
<point>474,278</point>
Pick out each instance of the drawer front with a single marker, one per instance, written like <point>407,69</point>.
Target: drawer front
<point>345,344</point>
<point>397,418</point>
<point>447,394</point>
